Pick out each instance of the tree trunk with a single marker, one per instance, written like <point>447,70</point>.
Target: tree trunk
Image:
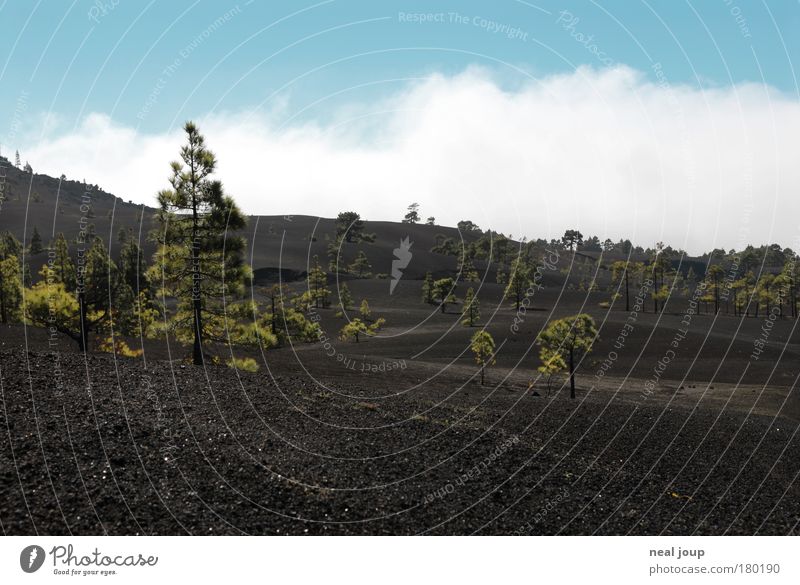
<point>83,338</point>
<point>482,374</point>
<point>197,349</point>
<point>627,302</point>
<point>571,373</point>
<point>655,291</point>
<point>197,306</point>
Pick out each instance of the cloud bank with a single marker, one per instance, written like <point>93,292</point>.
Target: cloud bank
<point>605,151</point>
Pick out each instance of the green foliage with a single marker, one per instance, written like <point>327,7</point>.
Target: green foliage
<point>51,305</point>
<point>572,239</point>
<point>62,264</point>
<point>333,251</point>
<point>345,298</point>
<point>10,288</point>
<point>445,246</point>
<point>714,282</point>
<point>132,266</point>
<point>350,227</point>
<point>518,282</point>
<point>244,364</point>
<point>570,338</point>
<point>318,285</point>
<point>552,365</point>
<point>468,272</point>
<point>9,245</point>
<point>91,298</point>
<point>471,311</point>
<point>199,261</point>
<point>118,347</point>
<point>284,319</point>
<point>427,289</point>
<point>500,248</point>
<point>467,226</point>
<point>483,348</point>
<point>444,292</point>
<point>364,310</point>
<point>361,266</point>
<point>36,246</point>
<point>356,328</point>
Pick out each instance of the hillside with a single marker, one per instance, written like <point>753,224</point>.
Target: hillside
<point>54,205</point>
<point>275,243</point>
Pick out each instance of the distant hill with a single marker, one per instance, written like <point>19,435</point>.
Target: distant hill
<point>275,243</point>
<point>54,205</point>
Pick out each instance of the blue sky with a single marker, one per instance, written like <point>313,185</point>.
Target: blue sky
<point>659,120</point>
<point>115,57</point>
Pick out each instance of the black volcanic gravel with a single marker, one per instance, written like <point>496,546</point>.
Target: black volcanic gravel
<point>169,450</point>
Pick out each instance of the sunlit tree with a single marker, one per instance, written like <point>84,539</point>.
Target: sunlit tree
<point>571,338</point>
<point>200,259</point>
<point>472,309</point>
<point>483,348</point>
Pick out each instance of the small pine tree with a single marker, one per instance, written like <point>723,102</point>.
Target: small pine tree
<point>318,285</point>
<point>444,292</point>
<point>552,364</point>
<point>96,305</point>
<point>11,280</point>
<point>501,276</point>
<point>468,272</point>
<point>571,338</point>
<point>36,242</point>
<point>63,267</point>
<point>413,214</point>
<point>361,266</point>
<point>345,298</point>
<point>483,348</point>
<point>17,162</point>
<point>333,256</point>
<point>518,282</point>
<point>10,288</point>
<point>355,328</point>
<point>364,310</point>
<point>471,311</point>
<point>132,267</point>
<point>427,289</point>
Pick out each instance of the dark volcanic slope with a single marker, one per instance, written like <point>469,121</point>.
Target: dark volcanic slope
<point>52,205</point>
<point>93,446</point>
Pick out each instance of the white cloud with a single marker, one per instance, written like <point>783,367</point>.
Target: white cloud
<point>605,151</point>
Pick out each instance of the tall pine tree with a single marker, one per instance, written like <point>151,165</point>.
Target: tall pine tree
<point>200,259</point>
